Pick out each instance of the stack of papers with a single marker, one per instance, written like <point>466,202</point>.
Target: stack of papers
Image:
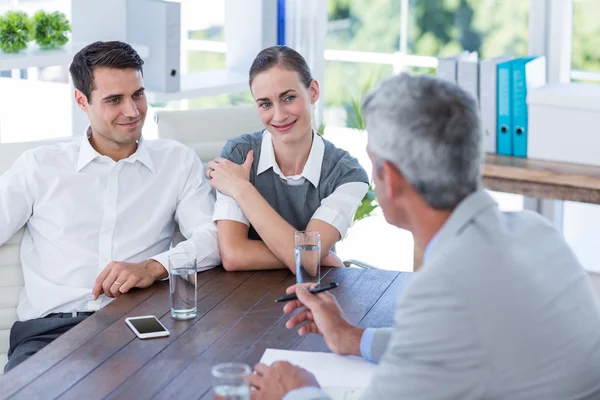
<point>342,378</point>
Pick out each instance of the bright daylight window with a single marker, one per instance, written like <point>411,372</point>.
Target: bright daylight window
<point>585,60</point>
<point>371,39</point>
<point>581,221</point>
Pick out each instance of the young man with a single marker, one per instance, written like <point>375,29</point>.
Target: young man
<point>501,308</point>
<point>100,211</point>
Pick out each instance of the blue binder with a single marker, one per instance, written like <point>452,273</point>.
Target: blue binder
<point>504,108</point>
<point>528,72</point>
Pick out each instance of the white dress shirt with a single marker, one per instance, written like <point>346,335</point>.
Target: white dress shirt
<point>337,209</point>
<point>83,210</point>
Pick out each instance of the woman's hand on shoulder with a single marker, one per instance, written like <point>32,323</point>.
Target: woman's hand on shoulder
<point>228,177</point>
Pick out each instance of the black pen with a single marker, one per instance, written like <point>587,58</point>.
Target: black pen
<point>317,289</point>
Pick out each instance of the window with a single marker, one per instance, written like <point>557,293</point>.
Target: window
<point>362,37</point>
<point>368,40</point>
<point>203,35</point>
<point>585,62</point>
<point>359,25</point>
<point>490,27</point>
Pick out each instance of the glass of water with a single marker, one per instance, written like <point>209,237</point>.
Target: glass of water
<point>307,249</point>
<point>230,381</point>
<point>183,284</point>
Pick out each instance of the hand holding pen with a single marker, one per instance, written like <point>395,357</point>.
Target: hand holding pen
<point>320,313</point>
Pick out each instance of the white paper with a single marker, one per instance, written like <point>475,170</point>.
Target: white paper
<point>343,378</point>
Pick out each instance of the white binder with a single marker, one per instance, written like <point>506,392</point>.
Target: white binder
<point>157,24</point>
<point>488,100</point>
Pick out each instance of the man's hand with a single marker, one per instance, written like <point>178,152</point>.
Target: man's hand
<point>322,315</point>
<point>119,277</point>
<point>280,378</point>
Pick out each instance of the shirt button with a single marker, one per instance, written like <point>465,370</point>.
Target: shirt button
<point>107,231</point>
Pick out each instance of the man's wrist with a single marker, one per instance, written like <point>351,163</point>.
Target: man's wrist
<point>157,270</point>
<point>350,340</point>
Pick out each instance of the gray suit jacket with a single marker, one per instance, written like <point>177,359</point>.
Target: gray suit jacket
<point>501,309</point>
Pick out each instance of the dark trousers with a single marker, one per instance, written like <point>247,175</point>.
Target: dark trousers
<point>29,337</point>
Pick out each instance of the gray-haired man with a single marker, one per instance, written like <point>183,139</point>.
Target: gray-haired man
<point>501,309</point>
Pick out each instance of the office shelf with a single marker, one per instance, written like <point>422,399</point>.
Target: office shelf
<point>36,57</point>
<point>203,84</point>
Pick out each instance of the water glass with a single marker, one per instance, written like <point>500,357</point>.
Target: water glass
<point>230,381</point>
<point>183,284</point>
<point>307,249</point>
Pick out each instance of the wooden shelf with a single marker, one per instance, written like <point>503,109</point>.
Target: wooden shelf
<point>36,57</point>
<point>542,179</point>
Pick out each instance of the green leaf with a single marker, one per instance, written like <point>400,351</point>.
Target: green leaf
<point>364,210</point>
<point>51,29</point>
<point>367,205</point>
<point>321,128</point>
<point>356,119</point>
<point>16,29</point>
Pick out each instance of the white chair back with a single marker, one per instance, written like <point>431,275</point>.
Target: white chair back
<point>11,274</point>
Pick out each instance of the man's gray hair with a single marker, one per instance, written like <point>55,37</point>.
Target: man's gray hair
<point>430,130</point>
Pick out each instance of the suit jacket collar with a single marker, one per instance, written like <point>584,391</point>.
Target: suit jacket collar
<point>462,216</point>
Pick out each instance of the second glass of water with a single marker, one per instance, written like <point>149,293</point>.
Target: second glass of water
<point>230,381</point>
<point>307,249</point>
<point>183,284</point>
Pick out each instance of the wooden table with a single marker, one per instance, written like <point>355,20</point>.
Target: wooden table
<point>237,320</point>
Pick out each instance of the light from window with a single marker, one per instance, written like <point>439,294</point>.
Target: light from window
<point>490,27</point>
<point>586,41</point>
<point>364,25</point>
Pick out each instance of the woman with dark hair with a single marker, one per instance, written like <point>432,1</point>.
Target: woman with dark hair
<point>285,178</point>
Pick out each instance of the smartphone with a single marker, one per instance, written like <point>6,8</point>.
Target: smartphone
<point>146,327</point>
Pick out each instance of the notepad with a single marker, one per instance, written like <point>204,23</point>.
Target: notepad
<point>342,378</point>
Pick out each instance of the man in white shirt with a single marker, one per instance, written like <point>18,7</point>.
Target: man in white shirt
<point>100,211</point>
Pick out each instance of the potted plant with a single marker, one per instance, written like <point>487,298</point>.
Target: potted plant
<point>16,29</point>
<point>356,120</point>
<point>51,29</point>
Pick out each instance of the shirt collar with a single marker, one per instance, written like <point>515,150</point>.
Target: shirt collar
<point>87,153</point>
<point>466,211</point>
<point>312,168</point>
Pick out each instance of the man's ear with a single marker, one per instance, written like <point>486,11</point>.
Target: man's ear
<point>81,100</point>
<point>394,181</point>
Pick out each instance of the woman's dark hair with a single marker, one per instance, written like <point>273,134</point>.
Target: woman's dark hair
<point>116,55</point>
<point>283,56</point>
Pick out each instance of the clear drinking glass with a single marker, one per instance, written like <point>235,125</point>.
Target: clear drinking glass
<point>307,249</point>
<point>230,381</point>
<point>183,284</point>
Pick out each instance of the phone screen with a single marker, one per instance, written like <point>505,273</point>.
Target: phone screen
<point>147,325</point>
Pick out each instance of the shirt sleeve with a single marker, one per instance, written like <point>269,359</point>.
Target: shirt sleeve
<point>226,208</point>
<point>16,197</point>
<point>194,213</point>
<point>339,207</point>
<point>307,393</point>
<point>366,343</point>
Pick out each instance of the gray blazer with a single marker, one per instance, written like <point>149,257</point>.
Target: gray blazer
<point>501,309</point>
